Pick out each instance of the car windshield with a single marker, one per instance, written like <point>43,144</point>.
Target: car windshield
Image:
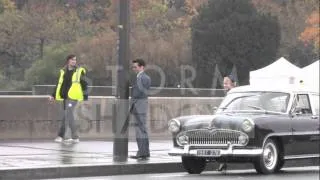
<point>255,101</point>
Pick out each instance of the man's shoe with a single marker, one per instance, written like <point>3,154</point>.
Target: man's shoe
<point>134,157</point>
<point>58,139</point>
<point>143,158</point>
<point>76,140</point>
<point>140,157</point>
<point>69,141</point>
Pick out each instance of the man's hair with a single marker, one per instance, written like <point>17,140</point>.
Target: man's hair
<point>140,62</point>
<point>233,80</point>
<point>70,57</point>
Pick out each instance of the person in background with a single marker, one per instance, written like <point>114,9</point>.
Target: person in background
<point>139,108</point>
<point>228,83</point>
<point>71,88</point>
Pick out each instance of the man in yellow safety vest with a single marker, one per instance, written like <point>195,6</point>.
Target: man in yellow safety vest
<point>71,88</point>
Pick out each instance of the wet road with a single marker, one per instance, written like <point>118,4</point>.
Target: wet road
<point>305,173</point>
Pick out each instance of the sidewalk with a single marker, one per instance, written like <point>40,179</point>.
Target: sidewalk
<point>34,160</point>
<point>39,154</point>
<point>41,160</point>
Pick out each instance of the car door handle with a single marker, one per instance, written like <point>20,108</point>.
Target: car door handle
<point>314,117</point>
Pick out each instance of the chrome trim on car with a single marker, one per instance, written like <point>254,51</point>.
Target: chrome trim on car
<point>213,137</point>
<point>306,156</point>
<point>187,151</point>
<point>251,122</point>
<point>177,123</point>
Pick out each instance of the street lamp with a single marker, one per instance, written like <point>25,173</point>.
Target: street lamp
<point>120,142</point>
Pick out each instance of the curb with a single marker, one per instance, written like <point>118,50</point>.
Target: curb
<point>122,169</point>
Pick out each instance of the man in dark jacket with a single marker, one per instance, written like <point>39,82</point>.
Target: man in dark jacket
<point>139,108</point>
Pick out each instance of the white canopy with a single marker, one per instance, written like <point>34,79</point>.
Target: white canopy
<point>280,72</point>
<point>310,75</point>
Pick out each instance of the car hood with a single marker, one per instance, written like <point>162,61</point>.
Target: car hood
<point>234,120</point>
<point>222,121</point>
<point>195,121</point>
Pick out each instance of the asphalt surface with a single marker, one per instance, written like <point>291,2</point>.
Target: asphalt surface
<point>41,160</point>
<point>304,173</point>
<point>48,153</point>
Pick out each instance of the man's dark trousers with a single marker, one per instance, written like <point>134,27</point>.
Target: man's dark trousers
<point>139,112</point>
<point>139,109</point>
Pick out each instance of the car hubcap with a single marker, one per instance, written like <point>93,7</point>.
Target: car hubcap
<point>270,156</point>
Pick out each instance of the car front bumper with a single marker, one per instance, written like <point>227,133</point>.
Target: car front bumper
<point>230,151</point>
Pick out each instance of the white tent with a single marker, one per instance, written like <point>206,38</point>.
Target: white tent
<point>310,75</point>
<point>280,72</point>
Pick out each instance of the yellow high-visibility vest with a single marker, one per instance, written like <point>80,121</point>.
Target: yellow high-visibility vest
<point>75,92</point>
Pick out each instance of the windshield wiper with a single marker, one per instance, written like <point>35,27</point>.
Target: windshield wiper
<point>265,111</point>
<point>257,107</point>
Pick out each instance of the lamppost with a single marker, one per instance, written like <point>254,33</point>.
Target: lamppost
<point>120,141</point>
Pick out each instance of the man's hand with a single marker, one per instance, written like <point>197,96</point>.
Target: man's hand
<point>86,104</point>
<point>51,99</point>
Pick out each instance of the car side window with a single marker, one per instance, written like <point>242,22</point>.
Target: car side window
<point>303,105</point>
<point>315,103</point>
<point>277,103</point>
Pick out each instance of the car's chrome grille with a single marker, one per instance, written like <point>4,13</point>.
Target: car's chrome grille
<point>214,137</point>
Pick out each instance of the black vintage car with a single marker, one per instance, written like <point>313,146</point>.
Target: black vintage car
<point>265,126</point>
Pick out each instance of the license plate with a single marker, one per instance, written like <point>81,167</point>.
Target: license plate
<point>208,152</point>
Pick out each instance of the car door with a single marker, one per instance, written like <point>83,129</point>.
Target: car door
<point>314,100</point>
<point>305,127</point>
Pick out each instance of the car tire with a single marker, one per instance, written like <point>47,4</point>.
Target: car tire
<point>193,165</point>
<point>268,162</point>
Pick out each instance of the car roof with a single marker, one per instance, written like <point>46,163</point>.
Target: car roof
<point>270,88</point>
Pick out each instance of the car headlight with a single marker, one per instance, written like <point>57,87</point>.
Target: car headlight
<point>174,126</point>
<point>243,140</point>
<point>182,140</point>
<point>247,125</point>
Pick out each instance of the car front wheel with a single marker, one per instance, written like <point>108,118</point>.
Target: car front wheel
<point>268,161</point>
<point>193,165</point>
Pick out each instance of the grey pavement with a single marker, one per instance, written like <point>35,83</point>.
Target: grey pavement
<point>38,154</point>
<point>301,173</point>
<point>46,159</point>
